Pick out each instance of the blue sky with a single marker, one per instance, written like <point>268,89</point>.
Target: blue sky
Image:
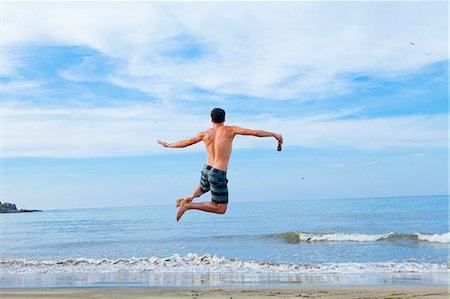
<point>88,87</point>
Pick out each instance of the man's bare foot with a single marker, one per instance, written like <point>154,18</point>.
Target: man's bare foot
<point>183,200</point>
<point>181,211</point>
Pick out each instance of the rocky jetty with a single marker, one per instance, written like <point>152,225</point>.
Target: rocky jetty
<point>7,207</point>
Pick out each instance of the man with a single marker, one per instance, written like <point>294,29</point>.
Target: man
<point>218,141</point>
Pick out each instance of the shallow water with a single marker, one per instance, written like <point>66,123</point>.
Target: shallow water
<point>280,239</point>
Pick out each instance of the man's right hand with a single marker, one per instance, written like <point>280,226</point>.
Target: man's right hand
<point>163,143</point>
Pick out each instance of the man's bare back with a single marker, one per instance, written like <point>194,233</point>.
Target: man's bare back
<point>218,141</point>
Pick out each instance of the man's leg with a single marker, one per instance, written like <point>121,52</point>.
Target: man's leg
<point>202,188</point>
<point>211,207</point>
<point>197,193</point>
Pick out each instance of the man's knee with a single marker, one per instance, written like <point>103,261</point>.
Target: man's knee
<point>222,208</point>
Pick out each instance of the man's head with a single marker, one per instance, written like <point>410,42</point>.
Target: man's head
<point>217,115</point>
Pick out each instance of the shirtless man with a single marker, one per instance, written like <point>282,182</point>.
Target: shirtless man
<point>218,141</point>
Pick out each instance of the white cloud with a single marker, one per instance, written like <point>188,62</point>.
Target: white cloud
<point>257,49</point>
<point>414,131</point>
<point>270,49</point>
<point>339,165</point>
<point>20,85</point>
<point>133,130</point>
<point>98,132</point>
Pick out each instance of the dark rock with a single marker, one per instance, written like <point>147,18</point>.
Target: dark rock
<point>7,207</point>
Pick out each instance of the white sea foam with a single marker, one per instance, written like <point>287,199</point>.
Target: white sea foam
<point>297,237</point>
<point>435,238</point>
<point>206,264</point>
<point>344,237</point>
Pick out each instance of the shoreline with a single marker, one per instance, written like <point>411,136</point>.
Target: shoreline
<point>338,292</point>
<point>167,280</point>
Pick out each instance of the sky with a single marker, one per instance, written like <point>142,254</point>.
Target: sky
<point>359,91</point>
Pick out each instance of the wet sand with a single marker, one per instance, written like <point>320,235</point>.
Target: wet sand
<point>392,292</point>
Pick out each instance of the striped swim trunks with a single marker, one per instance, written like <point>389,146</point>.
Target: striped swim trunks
<point>215,180</point>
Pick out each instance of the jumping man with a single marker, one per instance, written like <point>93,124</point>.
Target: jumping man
<point>218,141</point>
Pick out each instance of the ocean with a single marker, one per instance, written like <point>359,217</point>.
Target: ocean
<point>370,241</point>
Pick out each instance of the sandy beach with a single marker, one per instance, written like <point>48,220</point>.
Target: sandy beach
<point>231,293</point>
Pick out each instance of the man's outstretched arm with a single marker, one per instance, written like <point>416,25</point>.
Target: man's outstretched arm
<point>183,143</point>
<point>257,133</point>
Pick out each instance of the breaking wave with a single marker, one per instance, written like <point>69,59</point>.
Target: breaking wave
<point>298,237</point>
<point>435,238</point>
<point>206,264</point>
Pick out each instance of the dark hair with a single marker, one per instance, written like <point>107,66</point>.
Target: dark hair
<point>218,115</point>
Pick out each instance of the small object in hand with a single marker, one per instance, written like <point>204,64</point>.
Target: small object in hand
<point>279,147</point>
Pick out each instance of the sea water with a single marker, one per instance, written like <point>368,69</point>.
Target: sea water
<point>393,240</point>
